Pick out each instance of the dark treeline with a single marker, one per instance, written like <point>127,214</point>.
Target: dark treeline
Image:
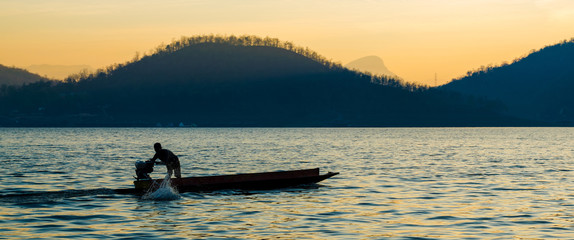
<point>485,69</point>
<point>538,86</point>
<point>239,81</point>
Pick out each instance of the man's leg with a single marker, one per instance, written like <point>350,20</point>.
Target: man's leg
<point>169,170</point>
<point>178,172</point>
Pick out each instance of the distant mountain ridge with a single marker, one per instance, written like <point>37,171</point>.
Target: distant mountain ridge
<point>11,76</point>
<point>244,81</point>
<point>370,64</point>
<point>539,86</point>
<point>59,72</point>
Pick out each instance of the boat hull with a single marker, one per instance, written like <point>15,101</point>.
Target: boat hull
<point>266,180</point>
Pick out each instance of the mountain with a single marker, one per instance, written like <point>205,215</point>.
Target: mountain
<point>12,76</point>
<point>216,63</point>
<point>244,81</point>
<point>370,64</point>
<point>59,72</point>
<point>539,86</point>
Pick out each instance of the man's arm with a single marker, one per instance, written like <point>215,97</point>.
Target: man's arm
<point>156,156</point>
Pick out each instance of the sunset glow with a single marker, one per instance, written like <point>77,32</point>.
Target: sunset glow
<point>415,38</point>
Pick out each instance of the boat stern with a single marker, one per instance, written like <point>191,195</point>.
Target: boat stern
<point>142,184</point>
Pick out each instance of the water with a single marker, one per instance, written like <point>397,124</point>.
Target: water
<point>162,191</point>
<point>411,183</point>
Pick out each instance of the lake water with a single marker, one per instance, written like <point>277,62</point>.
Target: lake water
<point>397,183</point>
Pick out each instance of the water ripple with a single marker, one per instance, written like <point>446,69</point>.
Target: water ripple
<point>483,183</point>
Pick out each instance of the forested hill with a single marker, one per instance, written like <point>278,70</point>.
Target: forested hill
<point>215,63</point>
<point>539,86</point>
<point>238,81</point>
<point>11,76</point>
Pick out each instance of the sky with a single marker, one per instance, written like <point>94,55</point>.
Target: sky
<point>416,38</point>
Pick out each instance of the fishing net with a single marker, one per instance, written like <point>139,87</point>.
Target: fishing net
<point>162,190</point>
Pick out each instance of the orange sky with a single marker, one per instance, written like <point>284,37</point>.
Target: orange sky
<point>415,38</point>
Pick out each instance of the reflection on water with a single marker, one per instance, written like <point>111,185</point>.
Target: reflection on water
<point>467,183</point>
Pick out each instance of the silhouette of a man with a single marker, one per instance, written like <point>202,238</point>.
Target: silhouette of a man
<point>168,158</point>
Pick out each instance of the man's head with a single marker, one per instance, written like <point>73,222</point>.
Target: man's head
<point>157,146</point>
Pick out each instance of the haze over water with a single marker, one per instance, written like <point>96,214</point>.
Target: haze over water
<point>401,183</point>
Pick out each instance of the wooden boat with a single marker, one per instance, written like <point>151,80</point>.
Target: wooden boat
<point>265,180</point>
